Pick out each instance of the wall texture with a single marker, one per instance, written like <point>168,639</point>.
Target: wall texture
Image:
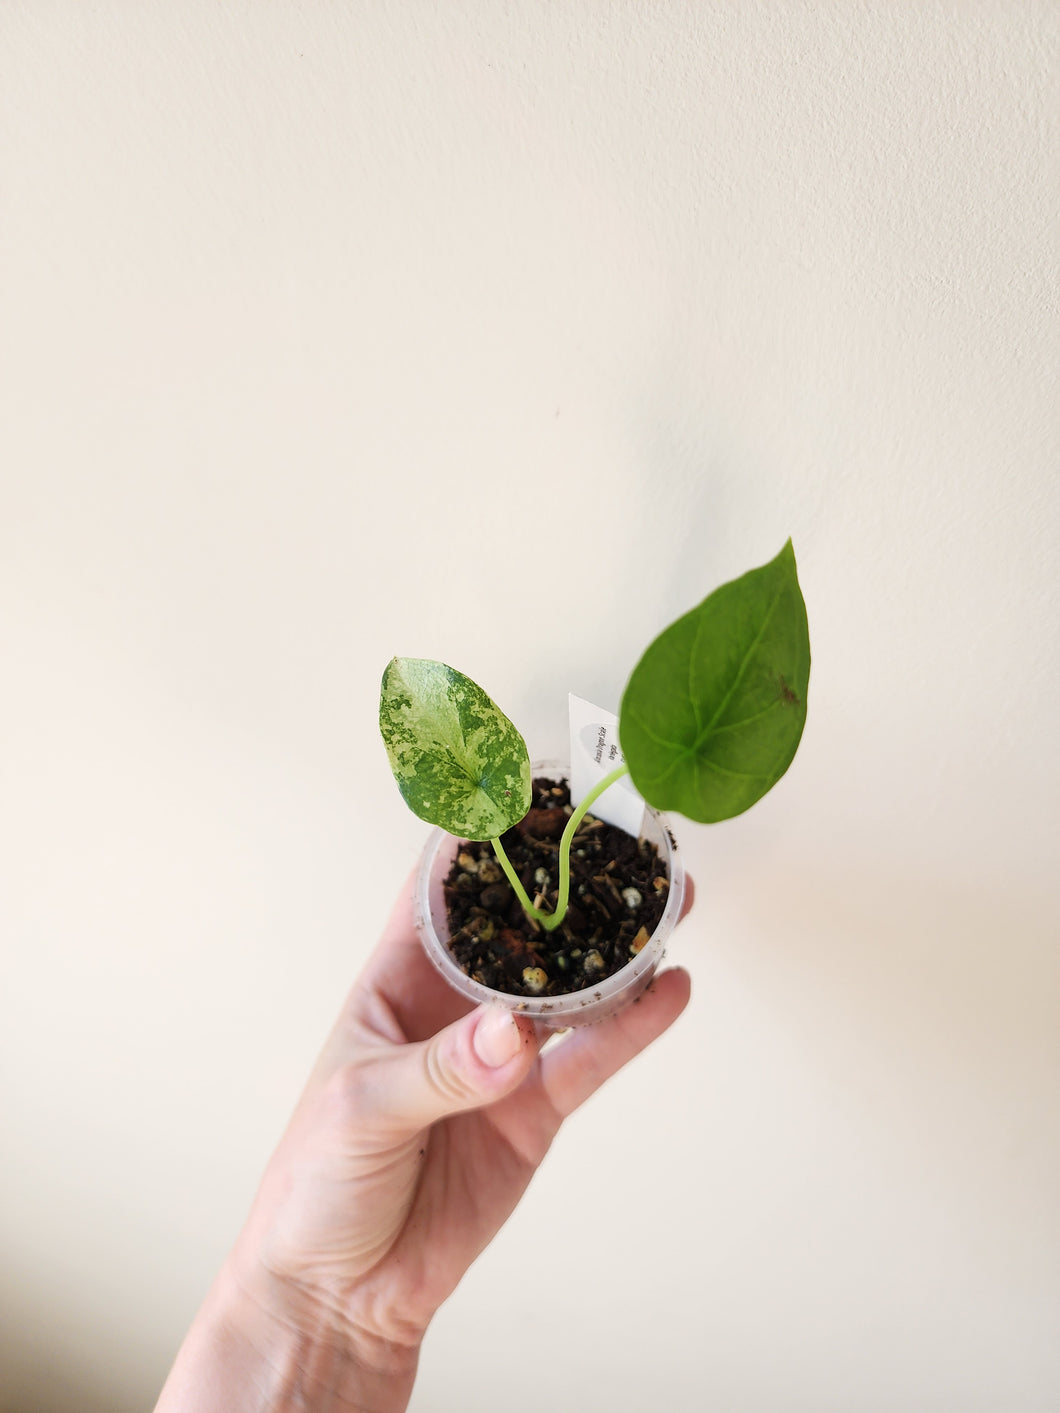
<point>502,333</point>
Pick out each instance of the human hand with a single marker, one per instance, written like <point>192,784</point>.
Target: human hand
<point>419,1130</point>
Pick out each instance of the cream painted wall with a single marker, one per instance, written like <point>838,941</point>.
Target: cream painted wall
<point>502,333</point>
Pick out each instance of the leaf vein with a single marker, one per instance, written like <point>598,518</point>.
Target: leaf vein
<point>742,669</point>
<point>736,774</point>
<point>747,720</point>
<point>659,740</point>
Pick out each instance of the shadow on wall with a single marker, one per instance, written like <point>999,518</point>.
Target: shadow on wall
<point>44,1369</point>
<point>929,1012</point>
<point>41,1387</point>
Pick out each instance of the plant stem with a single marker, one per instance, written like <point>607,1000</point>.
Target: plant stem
<point>565,842</point>
<point>550,921</point>
<point>514,880</point>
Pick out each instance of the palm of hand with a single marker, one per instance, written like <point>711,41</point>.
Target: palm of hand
<point>374,1205</point>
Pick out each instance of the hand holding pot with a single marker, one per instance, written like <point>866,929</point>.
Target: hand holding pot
<point>417,1134</point>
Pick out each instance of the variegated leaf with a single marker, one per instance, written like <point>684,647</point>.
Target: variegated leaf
<point>458,761</point>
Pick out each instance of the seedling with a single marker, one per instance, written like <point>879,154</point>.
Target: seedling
<point>710,720</point>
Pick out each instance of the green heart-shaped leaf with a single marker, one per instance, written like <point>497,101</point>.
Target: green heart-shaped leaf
<point>712,715</point>
<point>458,761</point>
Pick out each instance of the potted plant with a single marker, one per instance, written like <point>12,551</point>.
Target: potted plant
<point>526,898</point>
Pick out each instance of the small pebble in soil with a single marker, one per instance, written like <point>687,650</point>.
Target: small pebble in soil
<point>631,897</point>
<point>495,897</point>
<point>535,979</point>
<point>547,823</point>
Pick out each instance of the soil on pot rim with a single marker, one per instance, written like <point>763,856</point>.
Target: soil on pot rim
<point>619,888</point>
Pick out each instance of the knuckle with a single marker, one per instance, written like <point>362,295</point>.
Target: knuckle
<point>346,1095</point>
<point>446,1075</point>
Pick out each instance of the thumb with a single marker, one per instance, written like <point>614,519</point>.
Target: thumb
<point>475,1061</point>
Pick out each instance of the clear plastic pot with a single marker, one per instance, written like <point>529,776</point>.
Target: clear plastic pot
<point>593,1003</point>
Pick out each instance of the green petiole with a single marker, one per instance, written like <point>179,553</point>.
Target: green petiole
<point>550,921</point>
<point>513,878</point>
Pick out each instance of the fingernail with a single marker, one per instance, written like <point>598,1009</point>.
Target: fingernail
<point>497,1039</point>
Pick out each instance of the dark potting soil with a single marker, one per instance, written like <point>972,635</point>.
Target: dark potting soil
<point>618,891</point>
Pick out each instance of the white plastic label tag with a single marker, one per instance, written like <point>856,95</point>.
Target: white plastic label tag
<point>594,753</point>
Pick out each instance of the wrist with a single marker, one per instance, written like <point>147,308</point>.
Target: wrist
<point>248,1354</point>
